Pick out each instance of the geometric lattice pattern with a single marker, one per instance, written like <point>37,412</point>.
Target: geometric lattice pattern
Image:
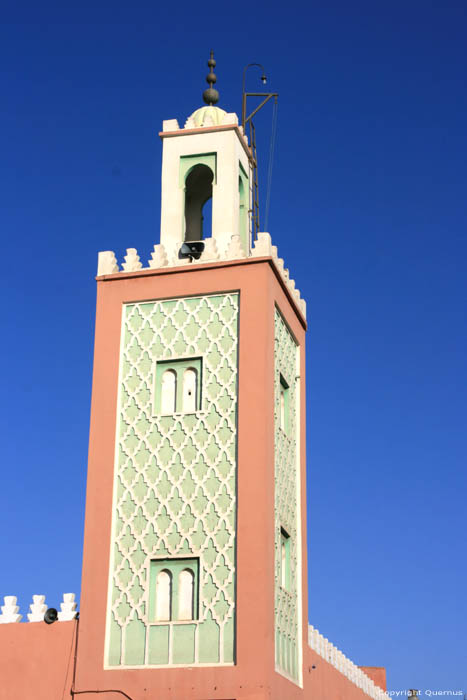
<point>287,637</point>
<point>175,483</point>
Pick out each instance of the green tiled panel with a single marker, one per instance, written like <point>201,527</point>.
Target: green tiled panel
<point>158,652</point>
<point>175,478</point>
<point>115,643</point>
<point>209,642</point>
<point>184,644</point>
<point>135,637</point>
<point>286,372</point>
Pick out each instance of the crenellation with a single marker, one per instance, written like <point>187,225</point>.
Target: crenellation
<point>322,646</point>
<point>263,246</point>
<point>210,250</point>
<point>67,608</point>
<point>225,246</point>
<point>106,263</point>
<point>37,608</point>
<point>235,249</point>
<point>158,257</point>
<point>9,610</point>
<point>230,118</point>
<point>132,261</point>
<point>170,125</point>
<point>281,267</point>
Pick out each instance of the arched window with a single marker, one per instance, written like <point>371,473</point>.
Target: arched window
<point>163,596</point>
<point>190,390</point>
<point>285,560</point>
<point>186,581</point>
<point>168,391</point>
<point>198,190</point>
<point>284,405</point>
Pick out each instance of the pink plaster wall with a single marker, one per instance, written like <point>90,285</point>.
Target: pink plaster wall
<point>36,660</point>
<point>377,675</point>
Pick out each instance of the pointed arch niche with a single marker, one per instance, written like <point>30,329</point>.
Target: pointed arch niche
<point>243,208</point>
<point>197,177</point>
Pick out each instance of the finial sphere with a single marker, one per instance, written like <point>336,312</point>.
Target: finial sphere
<point>211,78</point>
<point>211,96</point>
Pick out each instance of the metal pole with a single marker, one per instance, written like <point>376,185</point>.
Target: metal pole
<point>263,78</point>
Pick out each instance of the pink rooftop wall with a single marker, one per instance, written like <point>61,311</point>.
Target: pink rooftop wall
<point>37,662</point>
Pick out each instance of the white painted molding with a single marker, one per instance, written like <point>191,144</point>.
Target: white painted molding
<point>225,247</point>
<point>337,658</point>
<point>9,610</point>
<point>106,263</point>
<point>38,609</point>
<point>281,268</point>
<point>190,123</point>
<point>132,261</point>
<point>263,246</point>
<point>68,608</point>
<point>235,248</point>
<point>170,125</point>
<point>158,257</point>
<point>210,250</point>
<point>230,118</point>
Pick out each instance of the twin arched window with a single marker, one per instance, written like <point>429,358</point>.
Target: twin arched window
<point>285,560</point>
<point>284,407</point>
<point>175,594</point>
<point>178,386</point>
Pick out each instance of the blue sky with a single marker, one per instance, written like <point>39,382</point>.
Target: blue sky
<point>368,210</point>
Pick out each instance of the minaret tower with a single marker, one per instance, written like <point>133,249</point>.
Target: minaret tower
<point>194,549</point>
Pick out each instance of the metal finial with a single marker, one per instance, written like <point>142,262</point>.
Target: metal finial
<point>211,96</point>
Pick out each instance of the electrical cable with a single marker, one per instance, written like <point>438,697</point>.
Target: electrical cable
<point>270,164</point>
<point>81,692</point>
<point>75,630</point>
<point>74,692</point>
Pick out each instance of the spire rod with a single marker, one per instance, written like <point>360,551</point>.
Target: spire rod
<point>211,96</point>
